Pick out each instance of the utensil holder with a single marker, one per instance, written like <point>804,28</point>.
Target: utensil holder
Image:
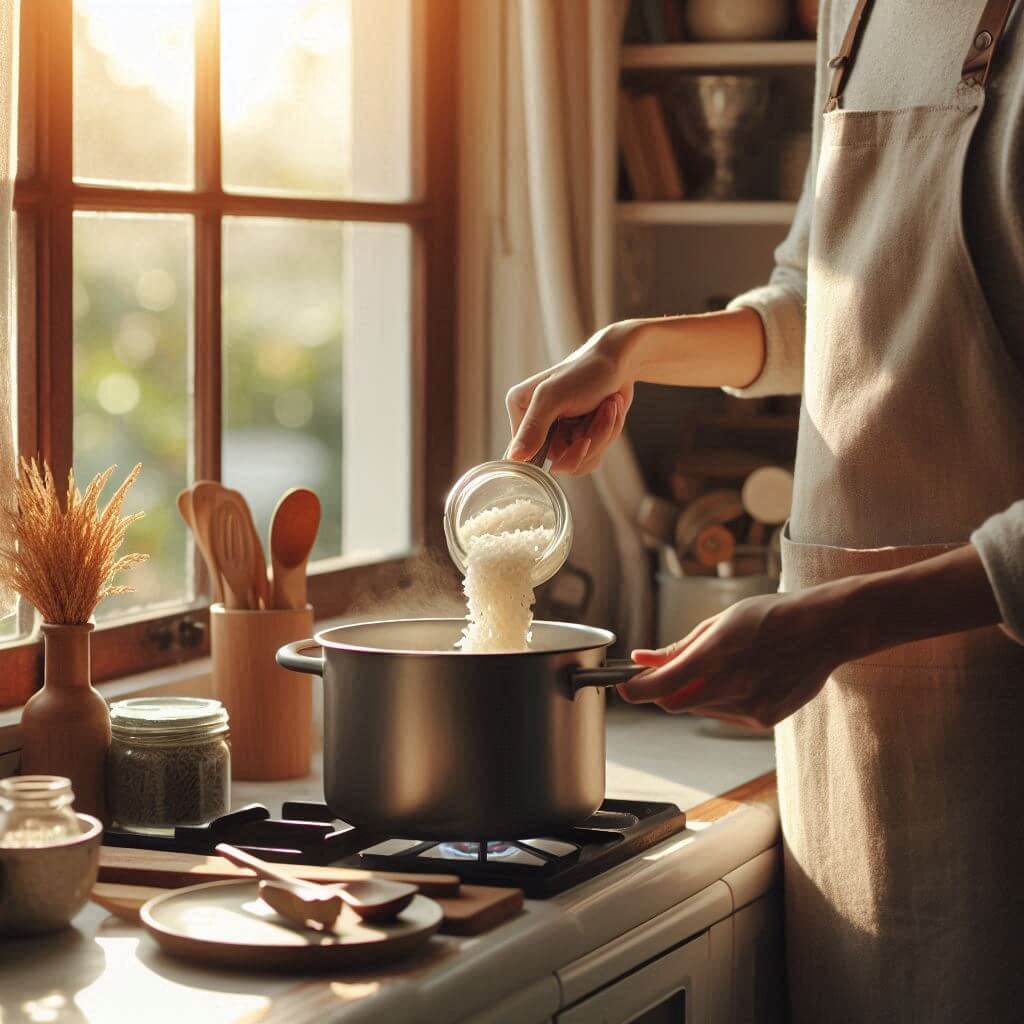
<point>270,710</point>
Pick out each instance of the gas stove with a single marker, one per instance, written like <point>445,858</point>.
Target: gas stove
<point>306,833</point>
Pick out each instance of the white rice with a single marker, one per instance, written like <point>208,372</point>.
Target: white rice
<point>502,546</point>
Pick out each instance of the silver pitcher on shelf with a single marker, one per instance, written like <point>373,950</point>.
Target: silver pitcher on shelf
<point>727,110</point>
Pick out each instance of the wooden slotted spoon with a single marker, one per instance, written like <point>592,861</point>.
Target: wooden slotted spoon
<point>231,541</point>
<point>260,584</point>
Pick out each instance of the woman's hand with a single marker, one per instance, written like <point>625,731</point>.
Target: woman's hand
<point>763,658</point>
<point>754,664</point>
<point>589,394</point>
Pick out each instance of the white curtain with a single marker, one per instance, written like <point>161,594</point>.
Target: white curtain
<point>537,190</point>
<point>8,122</point>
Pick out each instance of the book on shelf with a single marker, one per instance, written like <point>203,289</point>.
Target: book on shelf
<point>654,132</point>
<point>634,155</point>
<point>652,166</point>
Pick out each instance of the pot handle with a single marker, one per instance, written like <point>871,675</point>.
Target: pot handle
<point>288,657</point>
<point>617,671</point>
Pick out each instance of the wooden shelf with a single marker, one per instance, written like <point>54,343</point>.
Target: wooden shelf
<point>674,56</point>
<point>706,212</point>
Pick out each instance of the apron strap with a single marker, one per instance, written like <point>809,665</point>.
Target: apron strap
<point>976,67</point>
<point>986,39</point>
<point>843,60</point>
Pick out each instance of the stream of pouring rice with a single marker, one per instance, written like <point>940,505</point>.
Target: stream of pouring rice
<point>503,545</point>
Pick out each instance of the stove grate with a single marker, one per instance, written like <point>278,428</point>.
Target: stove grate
<point>306,833</point>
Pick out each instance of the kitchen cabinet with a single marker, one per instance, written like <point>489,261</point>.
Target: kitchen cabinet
<point>674,987</point>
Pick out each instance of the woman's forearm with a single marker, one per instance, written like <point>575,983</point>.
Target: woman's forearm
<point>710,350</point>
<point>945,594</point>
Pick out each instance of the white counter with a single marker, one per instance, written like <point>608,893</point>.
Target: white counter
<point>104,972</point>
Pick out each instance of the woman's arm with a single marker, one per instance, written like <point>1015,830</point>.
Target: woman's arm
<point>711,350</point>
<point>765,657</point>
<point>594,386</point>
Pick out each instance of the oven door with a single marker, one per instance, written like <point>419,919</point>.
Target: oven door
<point>673,989</point>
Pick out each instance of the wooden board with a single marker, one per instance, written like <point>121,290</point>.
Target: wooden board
<point>175,870</point>
<point>477,908</point>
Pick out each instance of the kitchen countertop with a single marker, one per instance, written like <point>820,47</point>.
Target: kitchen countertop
<point>105,971</point>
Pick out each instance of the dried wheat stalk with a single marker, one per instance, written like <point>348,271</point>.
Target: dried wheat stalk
<point>62,559</point>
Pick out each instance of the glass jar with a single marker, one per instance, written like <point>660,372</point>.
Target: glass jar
<point>497,485</point>
<point>169,763</point>
<point>35,810</point>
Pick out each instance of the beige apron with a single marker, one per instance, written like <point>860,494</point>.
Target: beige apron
<point>900,784</point>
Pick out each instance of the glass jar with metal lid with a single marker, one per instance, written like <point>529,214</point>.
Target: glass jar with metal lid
<point>498,486</point>
<point>169,763</point>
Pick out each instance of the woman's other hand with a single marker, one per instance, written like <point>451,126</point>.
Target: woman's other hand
<point>589,394</point>
<point>765,657</point>
<point>753,664</point>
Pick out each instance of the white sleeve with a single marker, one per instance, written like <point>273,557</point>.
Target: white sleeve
<point>1000,541</point>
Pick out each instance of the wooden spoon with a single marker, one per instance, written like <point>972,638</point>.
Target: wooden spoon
<point>301,904</point>
<point>373,899</point>
<point>186,506</point>
<point>231,540</point>
<point>205,495</point>
<point>293,532</point>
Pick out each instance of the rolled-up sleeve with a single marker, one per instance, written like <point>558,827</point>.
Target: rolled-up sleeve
<point>782,306</point>
<point>1000,541</point>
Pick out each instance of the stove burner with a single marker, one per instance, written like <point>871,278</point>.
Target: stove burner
<point>472,851</point>
<point>306,833</point>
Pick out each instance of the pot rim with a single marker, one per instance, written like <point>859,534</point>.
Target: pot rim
<point>598,638</point>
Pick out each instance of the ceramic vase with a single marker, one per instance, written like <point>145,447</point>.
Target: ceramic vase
<point>737,20</point>
<point>65,726</point>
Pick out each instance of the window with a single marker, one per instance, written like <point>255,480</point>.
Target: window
<point>234,237</point>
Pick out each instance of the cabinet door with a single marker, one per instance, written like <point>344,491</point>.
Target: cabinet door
<point>669,990</point>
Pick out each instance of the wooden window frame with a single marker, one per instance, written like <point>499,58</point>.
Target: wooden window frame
<point>45,199</point>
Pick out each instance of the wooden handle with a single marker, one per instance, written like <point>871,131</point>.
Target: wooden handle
<point>173,870</point>
<point>261,867</point>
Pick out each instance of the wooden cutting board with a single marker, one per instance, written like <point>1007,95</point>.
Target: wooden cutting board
<point>166,870</point>
<point>476,909</point>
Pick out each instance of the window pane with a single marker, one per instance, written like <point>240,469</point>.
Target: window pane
<point>316,96</point>
<point>133,88</point>
<point>317,375</point>
<point>132,309</point>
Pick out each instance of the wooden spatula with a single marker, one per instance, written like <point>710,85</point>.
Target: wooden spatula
<point>231,541</point>
<point>186,506</point>
<point>293,532</point>
<point>205,495</point>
